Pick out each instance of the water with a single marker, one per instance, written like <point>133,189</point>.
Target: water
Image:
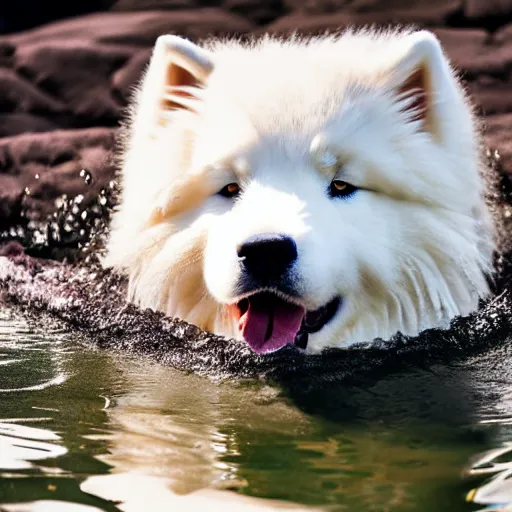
<point>88,430</point>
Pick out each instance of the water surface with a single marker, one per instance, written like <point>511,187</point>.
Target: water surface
<point>88,430</point>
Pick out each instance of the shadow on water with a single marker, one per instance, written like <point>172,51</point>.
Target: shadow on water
<point>82,426</point>
<point>419,412</point>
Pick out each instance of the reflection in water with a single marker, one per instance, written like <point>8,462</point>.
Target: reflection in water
<point>170,436</point>
<point>497,490</point>
<point>45,412</point>
<point>495,467</point>
<point>249,438</point>
<point>106,432</point>
<point>19,445</point>
<point>28,362</point>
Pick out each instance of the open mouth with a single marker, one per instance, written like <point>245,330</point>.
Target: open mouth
<point>269,322</point>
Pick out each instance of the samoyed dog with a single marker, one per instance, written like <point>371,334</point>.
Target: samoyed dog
<point>310,191</point>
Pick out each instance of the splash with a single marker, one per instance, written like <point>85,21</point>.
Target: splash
<point>75,231</point>
<point>52,272</point>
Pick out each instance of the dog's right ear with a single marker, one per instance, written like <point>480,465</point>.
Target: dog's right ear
<point>177,70</point>
<point>424,83</point>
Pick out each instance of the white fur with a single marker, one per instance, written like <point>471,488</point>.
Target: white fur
<point>408,251</point>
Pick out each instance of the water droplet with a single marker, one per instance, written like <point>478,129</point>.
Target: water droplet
<point>84,215</point>
<point>86,175</point>
<point>39,238</point>
<point>27,191</point>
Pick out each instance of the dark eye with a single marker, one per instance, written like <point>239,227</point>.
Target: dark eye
<point>231,190</point>
<point>340,188</point>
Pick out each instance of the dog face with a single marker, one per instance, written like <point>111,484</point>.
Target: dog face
<point>318,192</point>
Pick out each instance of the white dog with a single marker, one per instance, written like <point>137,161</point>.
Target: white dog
<point>319,191</point>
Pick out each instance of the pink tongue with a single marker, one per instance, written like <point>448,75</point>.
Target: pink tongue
<point>270,323</point>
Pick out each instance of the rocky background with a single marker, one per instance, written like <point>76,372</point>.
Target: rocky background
<point>66,73</point>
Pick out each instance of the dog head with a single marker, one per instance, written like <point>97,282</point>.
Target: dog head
<point>318,192</point>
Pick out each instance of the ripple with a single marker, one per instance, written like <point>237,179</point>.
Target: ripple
<point>35,361</point>
<point>8,361</point>
<point>496,490</point>
<point>21,444</point>
<point>49,506</point>
<point>59,379</point>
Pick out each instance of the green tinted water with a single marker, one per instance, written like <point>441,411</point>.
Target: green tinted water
<point>82,429</point>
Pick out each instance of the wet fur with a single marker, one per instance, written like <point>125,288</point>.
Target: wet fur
<point>409,251</point>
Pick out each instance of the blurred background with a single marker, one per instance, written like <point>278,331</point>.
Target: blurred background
<point>67,70</point>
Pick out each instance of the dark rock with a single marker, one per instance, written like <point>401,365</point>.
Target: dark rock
<point>19,95</point>
<point>15,124</point>
<point>381,11</point>
<point>24,14</point>
<point>477,9</point>
<point>11,249</point>
<point>257,11</point>
<point>135,28</point>
<point>128,76</point>
<point>37,169</point>
<point>303,21</point>
<point>153,5</point>
<point>492,95</point>
<point>471,50</point>
<point>86,94</point>
<point>78,73</point>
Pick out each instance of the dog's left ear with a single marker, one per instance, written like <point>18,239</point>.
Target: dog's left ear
<point>423,81</point>
<point>177,69</point>
<point>187,66</point>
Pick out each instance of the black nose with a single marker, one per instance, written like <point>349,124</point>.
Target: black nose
<point>267,255</point>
